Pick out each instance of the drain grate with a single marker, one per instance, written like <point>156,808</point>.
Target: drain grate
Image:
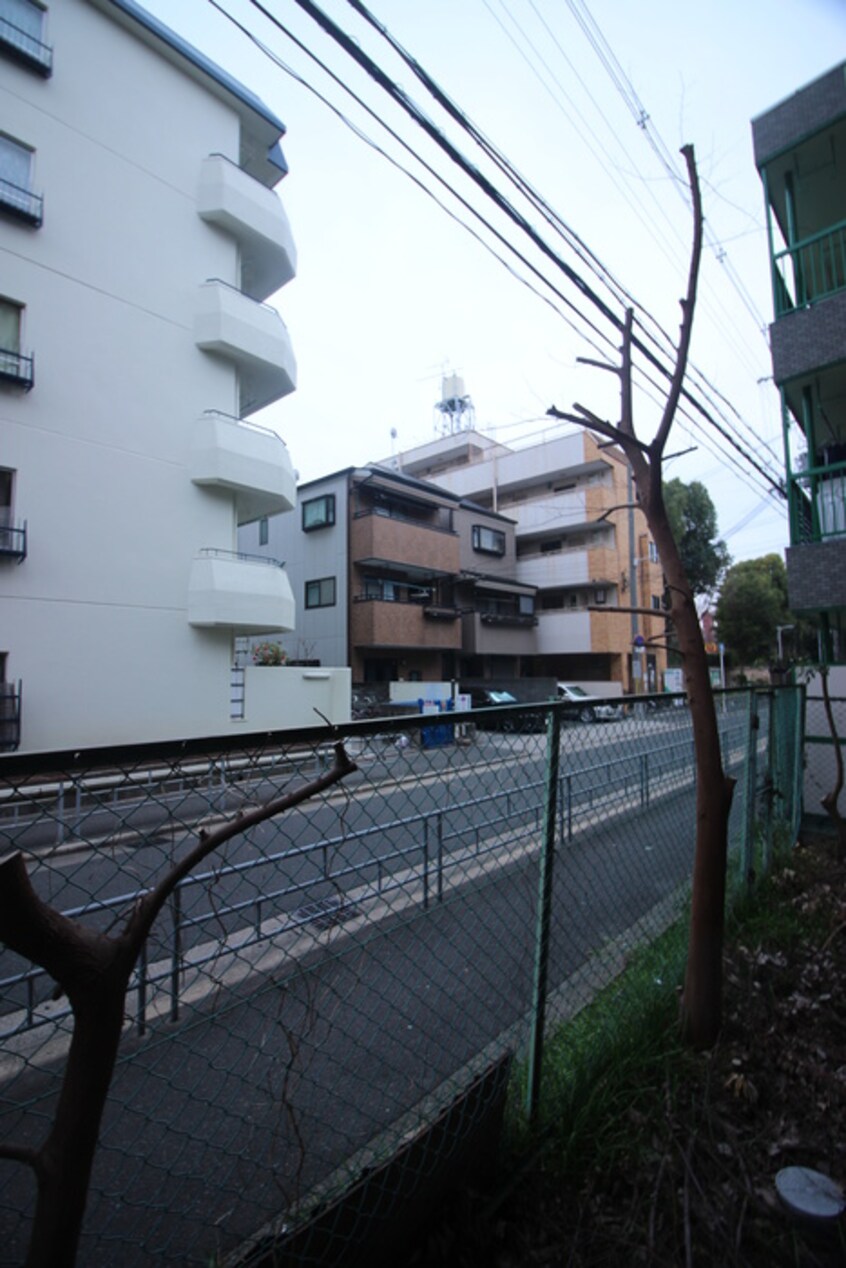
<point>323,913</point>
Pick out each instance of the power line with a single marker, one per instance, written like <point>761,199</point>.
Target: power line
<point>460,117</point>
<point>456,157</point>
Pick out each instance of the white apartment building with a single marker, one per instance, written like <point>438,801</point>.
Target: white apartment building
<point>140,234</point>
<point>578,540</point>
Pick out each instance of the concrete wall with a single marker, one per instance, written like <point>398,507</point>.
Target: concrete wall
<point>278,697</point>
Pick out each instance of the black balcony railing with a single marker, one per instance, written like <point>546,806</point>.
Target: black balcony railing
<point>214,552</point>
<point>16,368</point>
<point>440,521</point>
<point>21,203</point>
<point>520,620</point>
<point>19,46</point>
<point>10,716</point>
<point>13,540</point>
<point>440,612</point>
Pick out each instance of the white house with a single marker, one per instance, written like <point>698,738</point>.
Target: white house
<point>140,234</point>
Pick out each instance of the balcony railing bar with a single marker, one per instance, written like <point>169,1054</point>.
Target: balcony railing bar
<point>415,603</point>
<point>818,503</point>
<point>218,281</point>
<point>385,512</point>
<point>242,422</point>
<point>25,47</point>
<point>508,618</point>
<point>13,540</point>
<point>238,168</point>
<point>17,368</point>
<point>20,202</point>
<point>816,266</point>
<point>11,695</point>
<point>214,552</point>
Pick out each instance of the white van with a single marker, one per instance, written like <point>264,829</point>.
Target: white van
<point>585,707</point>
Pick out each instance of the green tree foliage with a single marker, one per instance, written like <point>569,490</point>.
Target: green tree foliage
<point>752,603</point>
<point>693,520</point>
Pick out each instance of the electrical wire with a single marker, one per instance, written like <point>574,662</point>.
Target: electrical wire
<point>435,133</point>
<point>460,117</point>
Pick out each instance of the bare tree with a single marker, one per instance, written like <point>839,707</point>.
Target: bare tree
<point>702,996</point>
<point>94,969</point>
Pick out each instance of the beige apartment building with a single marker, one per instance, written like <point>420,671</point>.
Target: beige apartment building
<point>579,543</point>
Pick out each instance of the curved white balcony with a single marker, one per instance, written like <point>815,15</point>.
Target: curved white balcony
<point>253,335</point>
<point>249,461</point>
<point>247,593</point>
<point>254,215</point>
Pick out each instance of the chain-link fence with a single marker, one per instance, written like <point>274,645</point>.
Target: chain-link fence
<point>352,981</point>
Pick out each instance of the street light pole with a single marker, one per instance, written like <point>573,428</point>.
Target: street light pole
<point>779,629</point>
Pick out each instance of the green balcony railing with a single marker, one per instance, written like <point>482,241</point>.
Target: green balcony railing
<point>810,269</point>
<point>818,503</point>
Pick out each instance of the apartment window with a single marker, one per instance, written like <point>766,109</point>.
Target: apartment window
<point>7,484</point>
<point>653,554</point>
<point>319,512</point>
<point>12,537</point>
<point>526,604</point>
<point>599,596</point>
<point>14,367</point>
<point>380,588</point>
<point>656,602</point>
<point>22,35</point>
<point>490,541</point>
<point>320,593</point>
<point>551,546</point>
<point>16,197</point>
<point>264,531</point>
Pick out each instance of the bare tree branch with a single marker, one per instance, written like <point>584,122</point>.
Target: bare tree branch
<point>141,920</point>
<point>687,304</point>
<point>35,930</point>
<point>599,365</point>
<point>665,613</point>
<point>21,1153</point>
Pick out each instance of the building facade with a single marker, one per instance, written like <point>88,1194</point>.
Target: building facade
<point>400,580</point>
<point>465,559</point>
<point>579,543</point>
<point>140,233</point>
<point>800,152</point>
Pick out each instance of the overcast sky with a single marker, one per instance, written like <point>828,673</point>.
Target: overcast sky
<point>586,102</point>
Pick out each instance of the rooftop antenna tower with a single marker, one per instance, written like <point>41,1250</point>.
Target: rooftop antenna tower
<point>455,410</point>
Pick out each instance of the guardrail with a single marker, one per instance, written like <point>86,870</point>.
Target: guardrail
<point>632,782</point>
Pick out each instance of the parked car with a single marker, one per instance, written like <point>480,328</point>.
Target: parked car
<point>587,708</point>
<point>483,698</point>
<point>364,704</point>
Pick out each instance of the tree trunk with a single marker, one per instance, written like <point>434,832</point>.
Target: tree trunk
<point>701,1005</point>
<point>67,1155</point>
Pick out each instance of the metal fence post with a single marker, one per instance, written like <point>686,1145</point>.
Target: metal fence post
<point>176,952</point>
<point>773,783</point>
<point>569,807</point>
<point>799,706</point>
<point>440,832</point>
<point>544,916</point>
<point>748,845</point>
<point>425,864</point>
<point>141,1015</point>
